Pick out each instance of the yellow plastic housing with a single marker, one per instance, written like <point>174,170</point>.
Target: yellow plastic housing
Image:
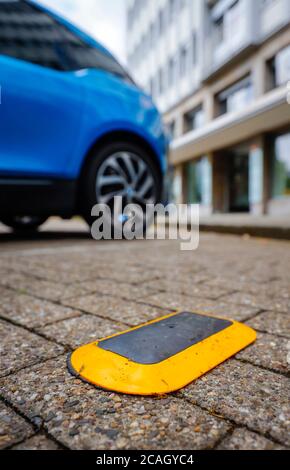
<point>113,372</point>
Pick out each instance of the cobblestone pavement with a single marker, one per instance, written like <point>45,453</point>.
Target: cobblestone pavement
<point>63,291</point>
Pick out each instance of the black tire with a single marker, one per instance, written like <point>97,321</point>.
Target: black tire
<point>89,193</point>
<point>23,223</point>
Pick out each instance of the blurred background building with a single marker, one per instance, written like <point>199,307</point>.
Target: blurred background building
<point>218,70</point>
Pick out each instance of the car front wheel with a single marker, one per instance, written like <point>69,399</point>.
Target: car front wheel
<point>124,170</point>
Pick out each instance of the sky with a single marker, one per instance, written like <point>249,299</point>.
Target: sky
<point>103,19</point>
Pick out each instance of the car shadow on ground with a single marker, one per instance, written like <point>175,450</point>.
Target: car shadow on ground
<point>44,236</point>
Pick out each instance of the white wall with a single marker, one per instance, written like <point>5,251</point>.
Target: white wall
<point>177,34</point>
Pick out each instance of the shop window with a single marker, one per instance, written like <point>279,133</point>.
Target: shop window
<point>194,182</point>
<point>281,166</point>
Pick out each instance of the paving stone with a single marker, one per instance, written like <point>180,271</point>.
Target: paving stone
<point>38,442</point>
<point>242,439</point>
<point>182,275</point>
<point>219,308</point>
<point>127,312</point>
<point>268,351</point>
<point>248,395</point>
<point>43,289</point>
<point>20,348</point>
<point>82,330</point>
<point>189,288</point>
<point>121,290</point>
<point>72,270</point>
<point>261,301</point>
<point>83,417</point>
<point>122,273</point>
<point>277,289</point>
<point>272,322</point>
<point>31,312</point>
<point>235,312</point>
<point>76,270</point>
<point>13,428</point>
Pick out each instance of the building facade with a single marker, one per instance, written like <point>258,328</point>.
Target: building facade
<point>219,70</point>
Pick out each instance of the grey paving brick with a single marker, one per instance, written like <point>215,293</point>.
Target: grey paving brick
<point>49,290</point>
<point>82,330</point>
<point>31,312</point>
<point>188,287</point>
<point>13,428</point>
<point>20,348</point>
<point>184,275</point>
<point>121,290</point>
<point>242,439</point>
<point>219,308</point>
<point>272,322</point>
<point>83,417</point>
<point>259,300</point>
<point>127,312</point>
<point>268,351</point>
<point>134,275</point>
<point>278,289</point>
<point>38,442</point>
<point>248,395</point>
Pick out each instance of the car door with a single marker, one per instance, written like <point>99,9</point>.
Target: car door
<point>41,103</point>
<point>40,117</point>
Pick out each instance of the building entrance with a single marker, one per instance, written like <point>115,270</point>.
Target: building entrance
<point>238,183</point>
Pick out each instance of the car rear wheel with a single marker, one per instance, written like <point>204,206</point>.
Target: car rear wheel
<point>124,170</point>
<point>23,223</point>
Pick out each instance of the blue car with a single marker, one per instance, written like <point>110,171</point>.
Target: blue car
<point>75,130</point>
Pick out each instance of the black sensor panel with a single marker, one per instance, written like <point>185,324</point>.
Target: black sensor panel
<point>159,341</point>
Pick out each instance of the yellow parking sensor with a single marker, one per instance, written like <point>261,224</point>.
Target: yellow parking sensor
<point>161,356</point>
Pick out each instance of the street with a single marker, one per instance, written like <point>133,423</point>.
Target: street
<point>61,290</point>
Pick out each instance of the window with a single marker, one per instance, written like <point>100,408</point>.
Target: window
<point>152,35</point>
<point>151,86</point>
<point>194,49</point>
<point>229,25</point>
<point>161,21</point>
<point>182,4</point>
<point>29,34</point>
<point>194,119</point>
<point>134,12</point>
<point>183,61</point>
<point>156,30</point>
<point>281,165</point>
<point>171,129</point>
<point>194,182</point>
<point>162,80</point>
<point>219,30</point>
<point>172,10</point>
<point>130,17</point>
<point>155,85</point>
<point>266,3</point>
<point>235,98</point>
<point>172,66</point>
<point>279,68</point>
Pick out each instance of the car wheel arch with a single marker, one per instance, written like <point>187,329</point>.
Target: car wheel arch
<point>116,136</point>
